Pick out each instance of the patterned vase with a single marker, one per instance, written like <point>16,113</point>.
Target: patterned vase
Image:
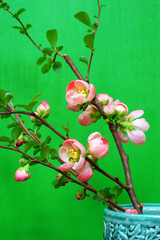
<point>123,226</point>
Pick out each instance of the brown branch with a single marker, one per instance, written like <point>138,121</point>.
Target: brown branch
<point>36,116</point>
<point>106,174</point>
<point>92,50</point>
<point>83,184</point>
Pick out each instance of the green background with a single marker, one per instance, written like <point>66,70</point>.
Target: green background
<point>126,65</point>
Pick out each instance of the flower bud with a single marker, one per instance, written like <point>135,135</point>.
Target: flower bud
<point>89,116</point>
<point>43,109</point>
<point>131,211</point>
<point>19,143</point>
<point>109,110</point>
<point>23,173</point>
<point>74,108</point>
<point>23,161</point>
<point>81,194</point>
<point>121,108</point>
<point>104,99</point>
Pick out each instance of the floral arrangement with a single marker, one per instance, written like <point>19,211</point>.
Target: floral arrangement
<point>78,164</point>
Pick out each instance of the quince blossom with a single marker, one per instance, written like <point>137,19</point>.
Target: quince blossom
<point>98,146</point>
<point>72,153</point>
<point>79,92</point>
<point>43,110</point>
<point>133,130</point>
<point>89,116</point>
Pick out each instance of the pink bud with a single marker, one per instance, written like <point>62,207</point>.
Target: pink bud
<point>21,175</point>
<point>104,99</point>
<point>131,211</point>
<point>79,197</point>
<point>97,145</point>
<point>109,110</point>
<point>120,108</point>
<point>19,143</point>
<point>89,116</point>
<point>74,108</point>
<point>43,109</point>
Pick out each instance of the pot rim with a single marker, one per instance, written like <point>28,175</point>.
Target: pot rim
<point>148,207</point>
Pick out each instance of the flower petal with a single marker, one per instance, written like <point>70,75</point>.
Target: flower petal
<point>92,93</point>
<point>141,124</point>
<point>123,137</point>
<point>85,173</point>
<point>136,114</point>
<point>66,166</point>
<point>93,136</point>
<point>137,137</point>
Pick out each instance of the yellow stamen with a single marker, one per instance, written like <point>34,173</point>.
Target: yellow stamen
<point>81,91</point>
<point>74,155</point>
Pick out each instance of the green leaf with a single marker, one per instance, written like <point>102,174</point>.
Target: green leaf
<point>16,132</point>
<point>48,139</point>
<point>36,127</point>
<point>84,18</point>
<point>11,125</point>
<point>17,27</point>
<point>46,67</point>
<point>23,106</point>
<point>2,95</point>
<point>45,152</point>
<point>29,145</point>
<point>36,96</point>
<point>57,66</point>
<point>93,27</point>
<point>4,5</point>
<point>36,151</point>
<point>65,126</point>
<point>89,40</point>
<point>54,153</point>
<point>48,51</point>
<point>59,182</point>
<point>31,105</point>
<point>98,197</point>
<point>2,109</point>
<point>28,26</point>
<point>8,97</point>
<point>59,48</point>
<point>52,37</point>
<point>19,12</point>
<point>4,139</point>
<point>83,59</point>
<point>116,191</point>
<point>41,60</point>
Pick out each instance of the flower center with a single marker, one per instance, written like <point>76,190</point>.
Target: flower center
<point>81,91</point>
<point>74,155</point>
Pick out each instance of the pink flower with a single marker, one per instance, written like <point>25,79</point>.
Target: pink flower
<point>79,92</point>
<point>74,108</point>
<point>132,211</point>
<point>85,173</point>
<point>104,99</point>
<point>22,174</point>
<point>109,110</point>
<point>19,143</point>
<point>121,108</point>
<point>97,145</point>
<point>43,109</point>
<point>133,130</point>
<point>89,116</point>
<point>72,153</point>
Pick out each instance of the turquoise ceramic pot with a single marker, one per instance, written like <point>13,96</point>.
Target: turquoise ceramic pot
<point>123,226</point>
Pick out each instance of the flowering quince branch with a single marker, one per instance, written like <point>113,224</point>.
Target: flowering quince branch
<point>81,96</point>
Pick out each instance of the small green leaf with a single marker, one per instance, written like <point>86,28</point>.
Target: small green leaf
<point>4,5</point>
<point>57,66</point>
<point>36,96</point>
<point>36,127</point>
<point>52,37</point>
<point>83,59</point>
<point>48,139</point>
<point>59,182</point>
<point>94,27</point>
<point>16,132</point>
<point>28,26</point>
<point>46,67</point>
<point>23,106</point>
<point>84,18</point>
<point>17,27</point>
<point>45,152</point>
<point>11,125</point>
<point>8,97</point>
<point>65,126</point>
<point>19,12</point>
<point>31,105</point>
<point>41,60</point>
<point>2,95</point>
<point>29,145</point>
<point>48,51</point>
<point>116,191</point>
<point>4,139</point>
<point>59,48</point>
<point>89,40</point>
<point>54,153</point>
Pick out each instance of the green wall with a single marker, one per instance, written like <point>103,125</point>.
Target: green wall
<point>126,65</point>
